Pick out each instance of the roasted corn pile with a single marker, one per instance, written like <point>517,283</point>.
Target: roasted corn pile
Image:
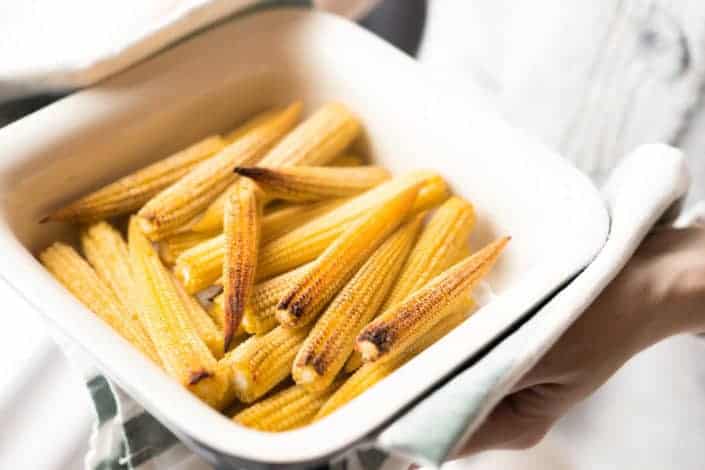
<point>272,268</point>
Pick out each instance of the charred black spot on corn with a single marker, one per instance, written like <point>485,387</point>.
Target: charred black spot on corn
<point>197,376</point>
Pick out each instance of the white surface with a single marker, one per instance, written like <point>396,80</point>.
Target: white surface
<point>593,79</point>
<point>297,56</point>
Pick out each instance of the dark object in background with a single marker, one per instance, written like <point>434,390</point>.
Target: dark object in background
<point>400,22</point>
<point>15,109</point>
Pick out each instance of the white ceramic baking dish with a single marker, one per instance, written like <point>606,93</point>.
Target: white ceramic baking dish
<point>209,83</point>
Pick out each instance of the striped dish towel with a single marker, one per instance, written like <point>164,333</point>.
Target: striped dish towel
<point>126,437</point>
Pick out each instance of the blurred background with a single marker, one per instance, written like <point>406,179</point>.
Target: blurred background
<point>593,80</point>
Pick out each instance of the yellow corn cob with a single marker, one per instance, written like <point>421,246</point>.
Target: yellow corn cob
<point>287,218</point>
<point>242,232</point>
<point>371,373</point>
<point>314,142</point>
<point>314,183</point>
<point>106,251</point>
<point>81,280</point>
<point>171,247</point>
<point>347,160</point>
<point>330,342</point>
<point>260,313</point>
<point>183,200</point>
<point>200,266</point>
<point>434,231</point>
<point>130,192</point>
<point>409,319</point>
<point>288,409</point>
<point>338,263</point>
<point>216,312</point>
<point>261,362</point>
<point>437,249</point>
<point>166,318</point>
<point>252,123</point>
<point>212,219</point>
<point>204,325</point>
<point>318,139</point>
<point>308,241</point>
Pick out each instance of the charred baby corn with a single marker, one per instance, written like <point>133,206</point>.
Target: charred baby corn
<point>171,247</point>
<point>200,266</point>
<point>285,219</point>
<point>76,275</point>
<point>288,409</point>
<point>260,313</point>
<point>371,373</point>
<point>204,325</point>
<point>182,201</point>
<point>251,123</point>
<point>131,192</point>
<point>315,141</point>
<point>318,139</point>
<point>314,183</point>
<point>347,160</point>
<point>166,318</point>
<point>409,319</point>
<point>242,232</point>
<point>338,263</point>
<point>326,348</point>
<point>261,362</point>
<point>308,241</point>
<point>442,243</point>
<point>437,249</point>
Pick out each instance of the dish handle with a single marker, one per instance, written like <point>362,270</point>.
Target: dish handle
<point>645,189</point>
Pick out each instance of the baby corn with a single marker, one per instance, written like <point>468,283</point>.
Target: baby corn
<point>200,266</point>
<point>314,183</point>
<point>106,251</point>
<point>252,123</point>
<point>406,321</point>
<point>318,139</point>
<point>171,247</point>
<point>288,409</point>
<point>330,342</point>
<point>347,160</point>
<point>308,241</point>
<point>437,249</point>
<point>183,200</point>
<point>167,320</point>
<point>371,373</point>
<point>315,141</point>
<point>242,232</point>
<point>261,362</point>
<point>338,263</point>
<point>282,221</point>
<point>204,325</point>
<point>260,313</point>
<point>76,275</point>
<point>131,192</point>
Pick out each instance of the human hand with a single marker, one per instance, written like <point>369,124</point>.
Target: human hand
<point>661,292</point>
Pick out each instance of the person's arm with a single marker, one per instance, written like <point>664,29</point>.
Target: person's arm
<point>660,293</point>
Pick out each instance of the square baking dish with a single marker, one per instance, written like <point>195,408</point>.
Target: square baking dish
<point>209,83</point>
